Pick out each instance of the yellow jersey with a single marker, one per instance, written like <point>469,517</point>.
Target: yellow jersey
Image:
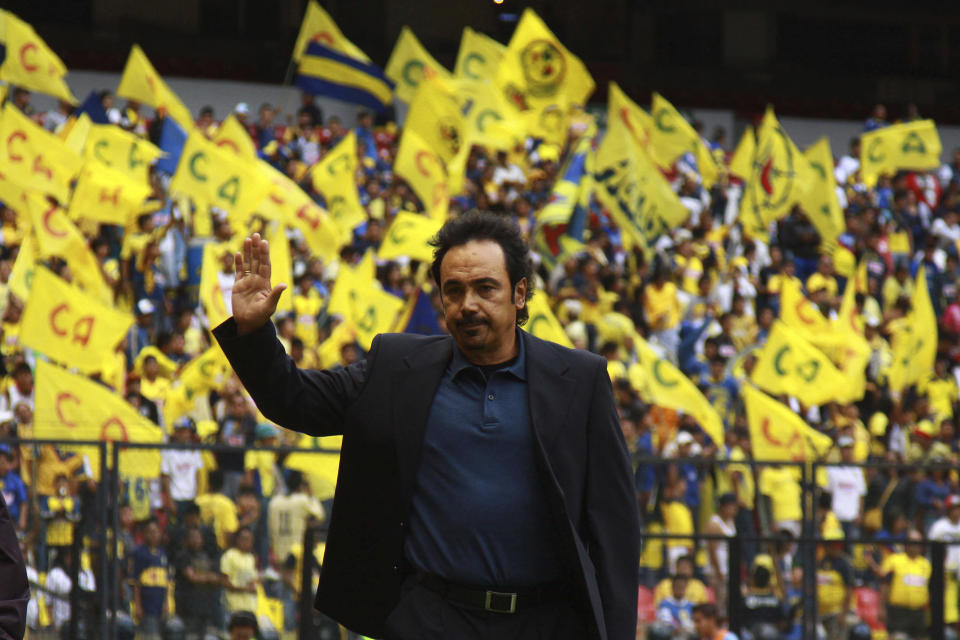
<point>909,580</point>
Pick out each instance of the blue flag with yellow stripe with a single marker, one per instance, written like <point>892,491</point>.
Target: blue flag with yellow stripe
<point>326,72</point>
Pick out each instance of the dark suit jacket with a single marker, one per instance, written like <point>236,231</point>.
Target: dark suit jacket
<point>14,590</point>
<point>381,407</point>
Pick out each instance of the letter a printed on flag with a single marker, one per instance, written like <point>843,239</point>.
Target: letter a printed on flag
<point>912,145</point>
<point>788,364</point>
<point>33,158</point>
<point>69,326</point>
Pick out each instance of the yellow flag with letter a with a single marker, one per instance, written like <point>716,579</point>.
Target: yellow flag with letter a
<point>629,185</point>
<point>318,26</point>
<point>912,145</point>
<point>208,371</point>
<point>425,172</point>
<point>777,433</point>
<point>778,178</point>
<point>121,151</point>
<point>286,201</point>
<point>409,64</point>
<point>232,136</point>
<point>672,136</point>
<point>281,264</point>
<point>323,462</point>
<point>73,407</point>
<point>408,235</point>
<point>335,178</point>
<point>634,119</point>
<point>107,196</point>
<point>820,202</point>
<point>478,57</point>
<point>915,343</point>
<point>58,236</point>
<point>537,70</point>
<point>789,364</point>
<point>542,323</point>
<point>69,326</point>
<point>660,382</point>
<point>34,158</point>
<point>141,82</point>
<point>29,62</point>
<point>219,178</point>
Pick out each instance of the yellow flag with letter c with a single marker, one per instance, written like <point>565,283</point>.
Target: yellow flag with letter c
<point>789,364</point>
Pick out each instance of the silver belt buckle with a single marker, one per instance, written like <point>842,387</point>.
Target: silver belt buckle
<point>490,605</point>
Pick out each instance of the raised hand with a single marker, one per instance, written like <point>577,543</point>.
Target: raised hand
<point>254,301</point>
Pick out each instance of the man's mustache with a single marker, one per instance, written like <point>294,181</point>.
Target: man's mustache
<point>471,321</point>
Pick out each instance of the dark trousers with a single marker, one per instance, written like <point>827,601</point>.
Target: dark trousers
<point>423,614</point>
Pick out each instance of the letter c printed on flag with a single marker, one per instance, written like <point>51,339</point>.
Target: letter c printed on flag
<point>194,160</point>
<point>24,62</point>
<point>658,119</point>
<point>470,59</point>
<point>413,72</point>
<point>659,375</point>
<point>62,397</point>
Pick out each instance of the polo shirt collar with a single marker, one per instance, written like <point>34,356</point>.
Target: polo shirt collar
<point>518,369</point>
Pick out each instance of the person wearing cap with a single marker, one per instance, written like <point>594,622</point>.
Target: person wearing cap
<point>947,529</point>
<point>847,485</point>
<point>180,468</point>
<point>484,483</point>
<point>906,589</point>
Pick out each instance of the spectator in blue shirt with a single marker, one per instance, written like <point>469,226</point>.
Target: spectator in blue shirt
<point>150,581</point>
<point>675,610</point>
<point>14,491</point>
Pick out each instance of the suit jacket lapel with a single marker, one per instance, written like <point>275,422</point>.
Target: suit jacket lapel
<point>414,386</point>
<point>549,389</point>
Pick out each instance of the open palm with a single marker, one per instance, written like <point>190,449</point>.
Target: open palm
<point>254,300</point>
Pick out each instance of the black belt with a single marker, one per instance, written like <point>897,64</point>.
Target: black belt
<point>494,600</point>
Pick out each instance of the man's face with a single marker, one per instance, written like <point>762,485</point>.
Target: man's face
<point>242,632</point>
<point>478,303</point>
<point>702,625</point>
<point>5,463</point>
<point>152,535</point>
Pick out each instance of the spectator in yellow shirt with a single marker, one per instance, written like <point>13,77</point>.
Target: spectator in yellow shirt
<point>823,278</point>
<point>217,510</point>
<point>662,310</point>
<point>696,591</point>
<point>239,567</point>
<point>677,520</point>
<point>906,588</point>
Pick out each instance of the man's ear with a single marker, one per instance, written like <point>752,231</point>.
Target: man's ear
<point>520,294</point>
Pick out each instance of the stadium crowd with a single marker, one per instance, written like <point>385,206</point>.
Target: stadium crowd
<point>220,530</point>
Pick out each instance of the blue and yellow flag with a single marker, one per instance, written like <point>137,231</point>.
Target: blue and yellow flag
<point>324,71</point>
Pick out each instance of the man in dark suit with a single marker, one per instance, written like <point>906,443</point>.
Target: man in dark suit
<point>484,486</point>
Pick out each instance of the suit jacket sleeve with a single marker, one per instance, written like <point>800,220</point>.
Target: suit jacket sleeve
<point>308,401</point>
<point>14,590</point>
<point>613,519</point>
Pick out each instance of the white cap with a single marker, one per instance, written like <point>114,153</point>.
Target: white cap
<point>241,108</point>
<point>144,307</point>
<point>684,437</point>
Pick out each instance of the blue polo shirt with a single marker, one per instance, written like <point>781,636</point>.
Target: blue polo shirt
<point>478,513</point>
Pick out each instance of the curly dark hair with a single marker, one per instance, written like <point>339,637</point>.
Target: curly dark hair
<point>479,225</point>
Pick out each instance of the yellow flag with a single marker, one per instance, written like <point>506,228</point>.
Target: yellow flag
<point>408,236</point>
<point>208,371</point>
<point>281,264</point>
<point>437,117</point>
<point>141,82</point>
<point>478,57</point>
<point>287,202</point>
<point>820,202</point>
<point>121,151</point>
<point>73,407</point>
<point>318,26</point>
<point>374,311</point>
<point>351,278</point>
<point>107,196</point>
<point>29,62</point>
<point>74,133</point>
<point>425,172</point>
<point>219,178</point>
<point>660,382</point>
<point>409,64</point>
<point>543,324</point>
<point>912,145</point>
<point>631,187</point>
<point>329,351</point>
<point>69,326</point>
<point>34,158</point>
<point>211,293</point>
<point>335,178</point>
<point>672,136</point>
<point>21,276</point>
<point>232,136</point>
<point>777,433</point>
<point>633,118</point>
<point>778,177</point>
<point>269,608</point>
<point>537,70</point>
<point>488,119</point>
<point>58,236</point>
<point>323,464</point>
<point>741,162</point>
<point>789,364</point>
<point>798,313</point>
<point>915,344</point>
